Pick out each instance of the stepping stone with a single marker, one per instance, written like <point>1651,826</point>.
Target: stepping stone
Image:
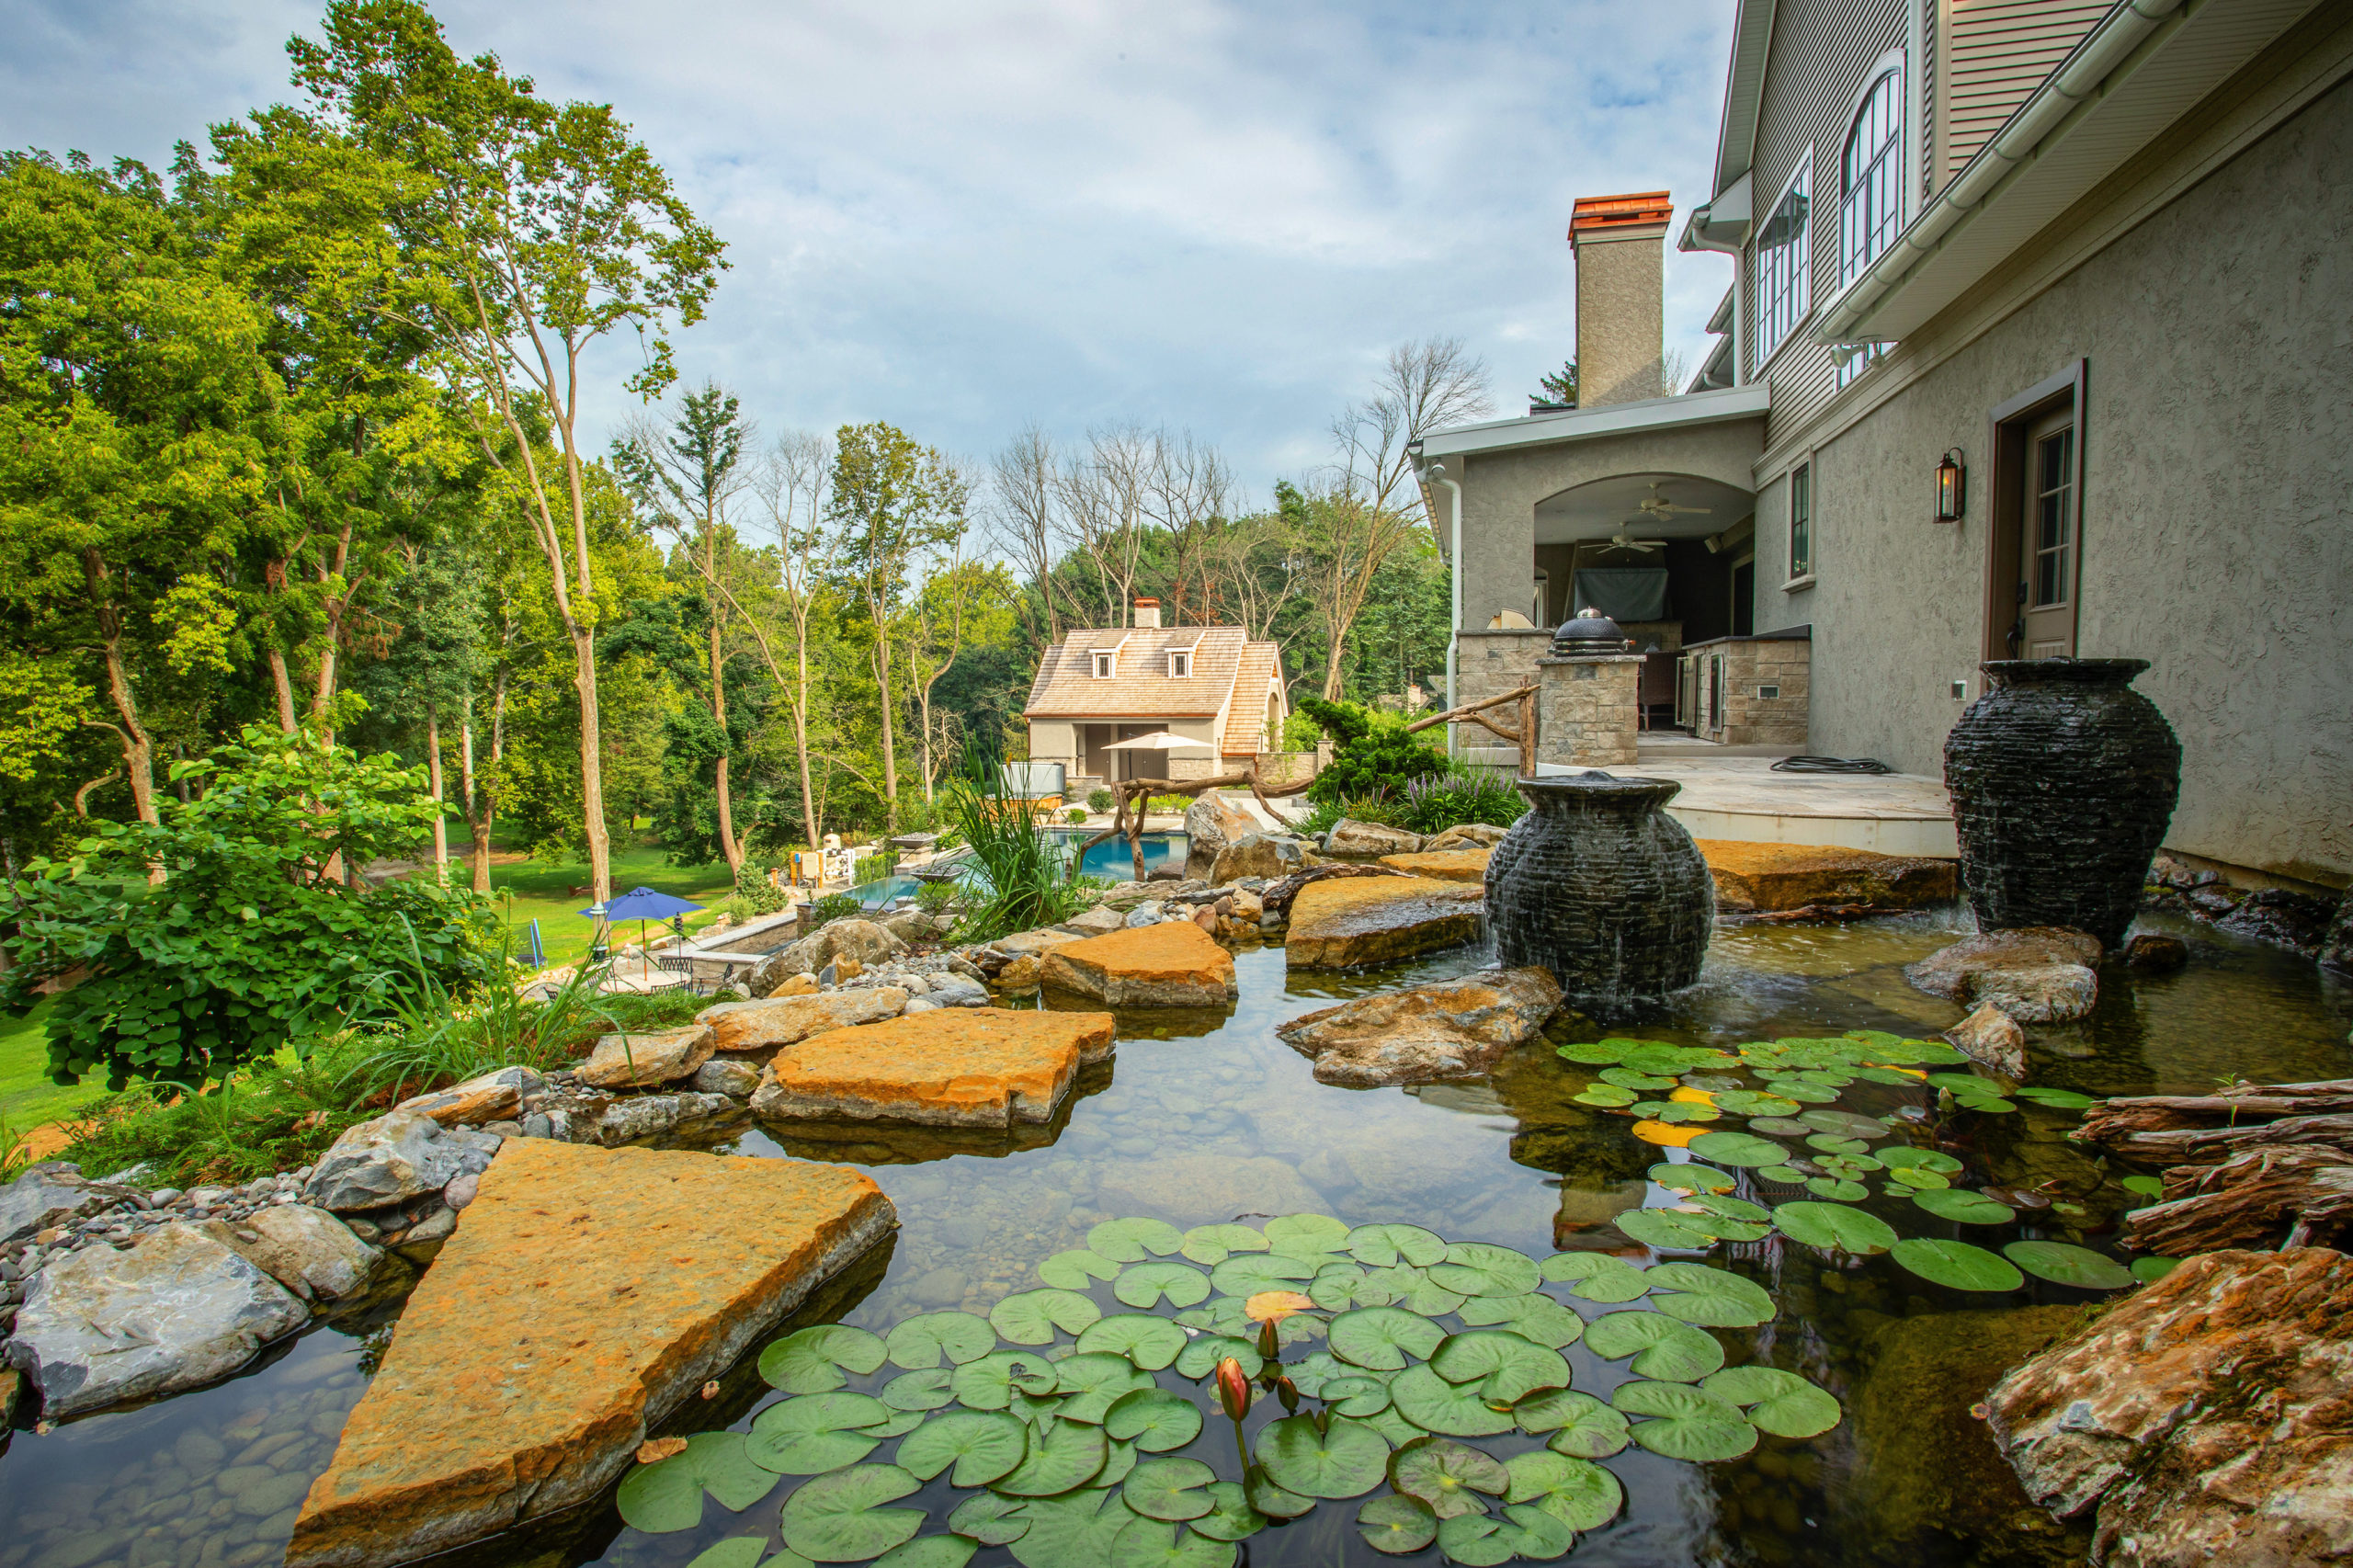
<point>1173,964</point>
<point>621,1061</point>
<point>788,1020</point>
<point>956,1067</point>
<point>1771,878</point>
<point>1443,865</point>
<point>1425,1034</point>
<point>585,1294</point>
<point>1362,920</point>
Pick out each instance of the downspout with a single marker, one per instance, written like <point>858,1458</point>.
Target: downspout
<point>1436,474</point>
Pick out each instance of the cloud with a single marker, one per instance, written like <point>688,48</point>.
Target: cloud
<point>964,218</point>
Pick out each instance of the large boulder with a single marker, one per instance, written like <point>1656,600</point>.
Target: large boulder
<point>953,1067</point>
<point>1757,878</point>
<point>784,1020</point>
<point>1261,855</point>
<point>1209,825</point>
<point>1352,840</point>
<point>53,1192</point>
<point>588,1294</point>
<point>179,1309</point>
<point>1991,1037</point>
<point>1171,963</point>
<point>307,1250</point>
<point>632,1060</point>
<point>1468,865</point>
<point>2201,1419</point>
<point>492,1096</point>
<point>1094,921</point>
<point>609,1121</point>
<point>1465,836</point>
<point>864,940</point>
<point>1346,921</point>
<point>399,1155</point>
<point>2037,974</point>
<point>1456,1029</point>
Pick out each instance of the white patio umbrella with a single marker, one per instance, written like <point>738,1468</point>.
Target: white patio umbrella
<point>1159,740</point>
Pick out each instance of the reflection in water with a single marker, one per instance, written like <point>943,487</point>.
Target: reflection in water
<point>1209,1116</point>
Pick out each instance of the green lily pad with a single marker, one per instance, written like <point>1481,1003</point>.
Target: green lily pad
<point>1756,1102</point>
<point>1382,1338</point>
<point>1661,1346</point>
<point>990,1382</point>
<point>667,1494</point>
<point>1311,1373</point>
<point>1078,1269</point>
<point>1169,1488</point>
<point>981,1444</point>
<point>1675,1110</point>
<point>1076,1530</point>
<point>1852,1124</point>
<point>1129,1241</point>
<point>990,1519</point>
<point>1199,1357</point>
<point>2065,1265</point>
<point>931,1552</point>
<point>816,1432</point>
<point>1691,1178</point>
<point>1836,1143</point>
<point>1627,1078</point>
<point>1956,1263</point>
<point>1594,1053</point>
<point>1669,1228</point>
<point>1505,1367</point>
<point>1396,1524</point>
<point>1152,1543</point>
<point>1606,1096</point>
<point>1688,1423</point>
<point>1431,1402</point>
<point>1784,1175</point>
<point>1778,1402</point>
<point>1579,1425</point>
<point>1838,1190</point>
<point>1898,1156</point>
<point>1149,1284</point>
<point>2149,1270</point>
<point>1447,1476</point>
<point>1117,1463</point>
<point>1964,1206</point>
<point>1306,1235</point>
<point>838,1516</point>
<point>2057,1099</point>
<point>1230,1516</point>
<point>1416,1292</point>
<point>1480,1269</point>
<point>743,1551</point>
<point>1779,1126</point>
<point>1248,1273</point>
<point>1802,1091</point>
<point>1738,1149</point>
<point>1534,1317</point>
<point>1271,1499</point>
<point>1578,1492</point>
<point>1063,1455</point>
<point>1031,1317</point>
<point>1345,1460</point>
<point>1710,1297</point>
<point>901,1422</point>
<point>1209,1245</point>
<point>922,1342</point>
<point>2143,1185</point>
<point>1091,1381</point>
<point>813,1360</point>
<point>1477,1541</point>
<point>1596,1275</point>
<point>926,1390</point>
<point>1153,1420</point>
<point>1384,1246</point>
<point>1150,1343</point>
<point>1833,1227</point>
<point>1886,1076</point>
<point>1339,1286</point>
<point>1358,1396</point>
<point>1916,1178</point>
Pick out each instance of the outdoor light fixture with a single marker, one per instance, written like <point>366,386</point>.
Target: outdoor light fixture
<point>1951,487</point>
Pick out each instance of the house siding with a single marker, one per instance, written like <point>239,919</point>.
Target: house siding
<point>1998,53</point>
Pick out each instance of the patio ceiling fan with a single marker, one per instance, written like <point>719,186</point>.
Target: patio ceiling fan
<point>1659,508</point>
<point>1620,541</point>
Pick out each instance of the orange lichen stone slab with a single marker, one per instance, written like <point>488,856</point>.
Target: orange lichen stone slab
<point>951,1067</point>
<point>1359,920</point>
<point>1767,878</point>
<point>1173,964</point>
<point>587,1293</point>
<point>1443,865</point>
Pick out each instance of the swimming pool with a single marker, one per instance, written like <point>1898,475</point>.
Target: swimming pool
<point>1110,860</point>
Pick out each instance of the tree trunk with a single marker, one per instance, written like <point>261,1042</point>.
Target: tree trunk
<point>727,844</point>
<point>477,818</point>
<point>1332,665</point>
<point>433,775</point>
<point>810,824</point>
<point>138,750</point>
<point>283,680</point>
<point>592,780</point>
<point>890,751</point>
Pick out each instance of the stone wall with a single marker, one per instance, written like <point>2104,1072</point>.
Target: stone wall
<point>1285,766</point>
<point>1488,664</point>
<point>1752,667</point>
<point>1586,710</point>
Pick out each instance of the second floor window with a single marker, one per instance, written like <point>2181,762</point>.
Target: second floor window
<point>1180,665</point>
<point>1106,665</point>
<point>1801,522</point>
<point>1784,261</point>
<point>1870,191</point>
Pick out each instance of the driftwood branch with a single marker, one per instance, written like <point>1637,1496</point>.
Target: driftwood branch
<point>2216,1146</point>
<point>1468,709</point>
<point>2252,1199</point>
<point>2236,1105</point>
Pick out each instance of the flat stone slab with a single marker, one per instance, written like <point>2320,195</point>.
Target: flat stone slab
<point>1172,964</point>
<point>1426,1034</point>
<point>585,1293</point>
<point>1770,877</point>
<point>1348,921</point>
<point>1443,865</point>
<point>623,1061</point>
<point>956,1067</point>
<point>787,1020</point>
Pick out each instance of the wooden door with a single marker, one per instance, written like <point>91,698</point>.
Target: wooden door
<point>2047,589</point>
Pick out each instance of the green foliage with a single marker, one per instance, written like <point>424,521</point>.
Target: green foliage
<point>831,907</point>
<point>1100,800</point>
<point>755,893</point>
<point>1459,794</point>
<point>938,898</point>
<point>1300,732</point>
<point>1371,752</point>
<point>246,945</point>
<point>869,868</point>
<point>1022,877</point>
<point>1176,805</point>
<point>1075,815</point>
<point>278,1114</point>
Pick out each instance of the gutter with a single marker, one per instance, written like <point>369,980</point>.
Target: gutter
<point>2079,78</point>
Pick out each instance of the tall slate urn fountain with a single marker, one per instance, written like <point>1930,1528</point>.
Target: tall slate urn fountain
<point>1604,889</point>
<point>2063,780</point>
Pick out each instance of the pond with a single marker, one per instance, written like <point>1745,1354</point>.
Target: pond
<point>1111,860</point>
<point>1205,1118</point>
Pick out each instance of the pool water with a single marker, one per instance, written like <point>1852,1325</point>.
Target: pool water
<point>1111,860</point>
<point>1205,1117</point>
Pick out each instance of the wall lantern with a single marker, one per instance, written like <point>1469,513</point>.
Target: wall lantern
<point>1951,487</point>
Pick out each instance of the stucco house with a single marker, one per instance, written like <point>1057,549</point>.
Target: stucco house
<point>1101,685</point>
<point>2038,343</point>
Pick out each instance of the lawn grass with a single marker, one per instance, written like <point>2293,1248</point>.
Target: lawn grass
<point>534,890</point>
<point>27,1099</point>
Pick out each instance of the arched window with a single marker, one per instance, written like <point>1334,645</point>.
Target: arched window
<point>1870,190</point>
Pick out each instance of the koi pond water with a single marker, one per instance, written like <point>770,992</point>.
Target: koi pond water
<point>1204,1120</point>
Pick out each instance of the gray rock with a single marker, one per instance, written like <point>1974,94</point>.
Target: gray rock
<point>955,990</point>
<point>623,1060</point>
<point>51,1193</point>
<point>1352,840</point>
<point>179,1309</point>
<point>1457,1028</point>
<point>1991,1037</point>
<point>462,1191</point>
<point>1468,835</point>
<point>623,1121</point>
<point>493,1096</point>
<point>307,1250</point>
<point>1099,921</point>
<point>736,1080</point>
<point>2036,975</point>
<point>861,940</point>
<point>788,1020</point>
<point>399,1155</point>
<point>909,926</point>
<point>1209,825</point>
<point>1149,912</point>
<point>923,1005</point>
<point>1262,855</point>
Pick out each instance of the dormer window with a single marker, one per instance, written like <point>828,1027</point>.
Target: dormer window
<point>1180,665</point>
<point>1106,664</point>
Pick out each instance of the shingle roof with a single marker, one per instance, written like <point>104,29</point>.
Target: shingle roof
<point>1066,687</point>
<point>1245,716</point>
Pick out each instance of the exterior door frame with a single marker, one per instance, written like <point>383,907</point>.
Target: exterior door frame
<point>2008,424</point>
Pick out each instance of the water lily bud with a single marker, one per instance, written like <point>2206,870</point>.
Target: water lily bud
<point>1288,1391</point>
<point>1269,1340</point>
<point>1232,1388</point>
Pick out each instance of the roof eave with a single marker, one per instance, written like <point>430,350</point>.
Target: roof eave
<point>1750,402</point>
<point>1752,47</point>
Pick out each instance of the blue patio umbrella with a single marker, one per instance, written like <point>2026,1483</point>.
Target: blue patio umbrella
<point>641,905</point>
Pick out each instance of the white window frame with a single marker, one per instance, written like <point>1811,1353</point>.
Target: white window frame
<point>1784,292</point>
<point>1180,663</point>
<point>1865,234</point>
<point>1103,662</point>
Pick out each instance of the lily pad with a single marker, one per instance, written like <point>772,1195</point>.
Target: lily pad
<point>1150,1342</point>
<point>1918,1178</point>
<point>1838,1190</point>
<point>813,1360</point>
<point>926,1389</point>
<point>1779,1126</point>
<point>1382,1338</point>
<point>1169,1488</point>
<point>1153,1420</point>
<point>1756,1102</point>
<point>1118,1462</point>
<point>1578,1492</point>
<point>1833,1227</point>
<point>1129,1241</point>
<point>1606,1096</point>
<point>1199,1357</point>
<point>1078,1269</point>
<point>1534,1317</point>
<point>991,1382</point>
<point>816,1432</point>
<point>1248,1273</point>
<point>1396,1524</point>
<point>1431,1402</point>
<point>1661,1347</point>
<point>1358,1396</point>
<point>2065,1265</point>
<point>1596,1275</point>
<point>1209,1245</point>
<point>1076,1530</point>
<point>1339,1286</point>
<point>1738,1149</point>
<point>1784,1175</point>
<point>901,1422</point>
<point>1306,1235</point>
<point>1230,1516</point>
<point>1091,1381</point>
<point>1149,1284</point>
<point>1383,1246</point>
<point>1964,1206</point>
<point>1897,1155</point>
<point>1692,1176</point>
<point>1668,1228</point>
<point>667,1494</point>
<point>1481,1268</point>
<point>924,1340</point>
<point>1477,1541</point>
<point>1505,1367</point>
<point>1063,1455</point>
<point>990,1519</point>
<point>1627,1078</point>
<point>742,1551</point>
<point>1271,1499</point>
<point>1416,1292</point>
<point>1956,1263</point>
<point>1710,1297</point>
<point>2057,1099</point>
<point>2149,1270</point>
<point>838,1516</point>
<point>1347,1459</point>
<point>1032,1317</point>
<point>1152,1543</point>
<point>931,1552</point>
<point>1853,1124</point>
<point>981,1444</point>
<point>1688,1423</point>
<point>1447,1476</point>
<point>1579,1425</point>
<point>1778,1402</point>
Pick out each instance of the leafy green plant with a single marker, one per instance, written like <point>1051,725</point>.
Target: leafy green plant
<point>938,898</point>
<point>432,1039</point>
<point>1100,800</point>
<point>1075,815</point>
<point>1371,752</point>
<point>755,894</point>
<point>872,868</point>
<point>1177,804</point>
<point>1021,876</point>
<point>1459,794</point>
<point>16,1152</point>
<point>831,907</point>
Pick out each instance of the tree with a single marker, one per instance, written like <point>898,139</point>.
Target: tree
<point>1556,391</point>
<point>1424,386</point>
<point>529,231</point>
<point>793,487</point>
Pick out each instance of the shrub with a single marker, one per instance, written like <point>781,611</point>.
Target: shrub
<point>831,907</point>
<point>1075,815</point>
<point>870,867</point>
<point>1300,732</point>
<point>1177,804</point>
<point>755,894</point>
<point>1100,800</point>
<point>1372,753</point>
<point>1461,794</point>
<point>938,898</point>
<point>1021,877</point>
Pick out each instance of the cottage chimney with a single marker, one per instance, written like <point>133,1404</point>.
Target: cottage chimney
<point>1619,243</point>
<point>1147,613</point>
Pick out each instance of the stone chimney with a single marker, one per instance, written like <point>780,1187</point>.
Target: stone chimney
<point>1621,255</point>
<point>1147,613</point>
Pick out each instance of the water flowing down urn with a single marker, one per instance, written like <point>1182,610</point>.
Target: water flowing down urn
<point>1600,886</point>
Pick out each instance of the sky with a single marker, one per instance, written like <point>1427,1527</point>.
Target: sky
<point>967,217</point>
